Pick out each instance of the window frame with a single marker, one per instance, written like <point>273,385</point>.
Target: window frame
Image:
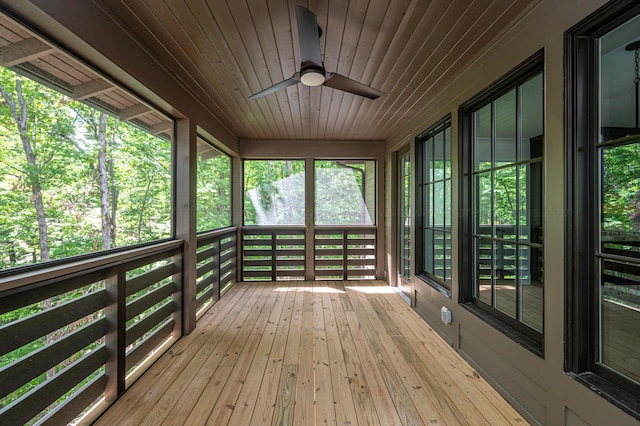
<point>582,145</point>
<point>439,283</point>
<point>518,331</point>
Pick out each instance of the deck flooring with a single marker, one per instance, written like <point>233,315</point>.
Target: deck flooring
<point>311,353</point>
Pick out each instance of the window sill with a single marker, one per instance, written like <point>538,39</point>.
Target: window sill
<point>438,287</point>
<point>625,401</point>
<point>517,336</point>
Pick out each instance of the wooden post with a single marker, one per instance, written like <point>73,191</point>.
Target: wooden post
<point>309,219</point>
<point>185,216</point>
<point>237,209</point>
<point>116,313</point>
<point>380,219</point>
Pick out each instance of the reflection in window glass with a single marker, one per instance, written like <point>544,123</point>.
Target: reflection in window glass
<point>619,157</point>
<point>213,188</point>
<point>434,196</point>
<point>345,192</point>
<point>75,179</point>
<point>274,192</point>
<point>507,194</point>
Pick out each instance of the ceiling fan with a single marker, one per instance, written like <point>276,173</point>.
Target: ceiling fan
<point>312,72</point>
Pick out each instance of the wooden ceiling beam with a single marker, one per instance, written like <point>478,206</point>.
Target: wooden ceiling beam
<point>23,51</point>
<point>162,127</point>
<point>133,111</point>
<point>91,88</point>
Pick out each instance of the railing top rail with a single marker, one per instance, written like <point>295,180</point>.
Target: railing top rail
<point>349,228</point>
<point>275,227</point>
<point>45,274</point>
<point>217,232</point>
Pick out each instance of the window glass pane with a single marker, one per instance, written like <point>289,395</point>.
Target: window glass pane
<point>618,109</point>
<point>438,157</point>
<point>483,288</point>
<point>504,202</point>
<point>505,122</point>
<point>438,201</point>
<point>447,153</point>
<point>506,297</point>
<point>620,236</point>
<point>531,118</point>
<point>213,188</point>
<point>76,179</point>
<point>506,194</point>
<point>530,283</point>
<point>536,211</point>
<point>621,188</point>
<point>484,216</point>
<point>428,252</point>
<point>274,192</point>
<point>428,160</point>
<point>620,314</point>
<point>482,138</point>
<point>345,192</point>
<point>523,202</point>
<point>438,254</point>
<point>447,207</point>
<point>619,203</point>
<point>447,246</point>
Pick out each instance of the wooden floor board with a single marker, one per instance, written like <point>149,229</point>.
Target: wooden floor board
<point>306,353</point>
<point>264,407</point>
<point>151,387</point>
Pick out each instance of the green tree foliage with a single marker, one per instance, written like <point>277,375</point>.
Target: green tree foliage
<point>621,188</point>
<point>213,189</point>
<point>341,194</point>
<point>74,180</point>
<point>274,192</point>
<point>64,163</point>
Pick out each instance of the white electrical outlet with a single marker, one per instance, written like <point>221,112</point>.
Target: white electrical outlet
<point>445,315</point>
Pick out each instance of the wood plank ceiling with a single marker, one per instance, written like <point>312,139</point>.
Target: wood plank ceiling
<point>409,49</point>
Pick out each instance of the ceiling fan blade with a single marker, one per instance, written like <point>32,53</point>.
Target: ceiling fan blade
<point>340,82</point>
<point>308,36</point>
<point>282,85</point>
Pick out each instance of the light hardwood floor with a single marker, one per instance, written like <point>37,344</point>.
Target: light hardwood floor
<point>311,353</point>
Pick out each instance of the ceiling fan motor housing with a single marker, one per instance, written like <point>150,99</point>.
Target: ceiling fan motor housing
<point>312,76</point>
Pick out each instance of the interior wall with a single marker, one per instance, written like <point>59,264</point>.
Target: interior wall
<point>537,386</point>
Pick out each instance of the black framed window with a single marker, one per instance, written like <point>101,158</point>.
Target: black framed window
<point>433,197</point>
<point>501,186</point>
<point>603,177</point>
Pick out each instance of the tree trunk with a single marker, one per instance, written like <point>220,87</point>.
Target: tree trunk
<point>105,210</point>
<point>114,203</point>
<point>19,110</point>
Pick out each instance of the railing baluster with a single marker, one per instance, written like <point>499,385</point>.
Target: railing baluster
<point>116,312</point>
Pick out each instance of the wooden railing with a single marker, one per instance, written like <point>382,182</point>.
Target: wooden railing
<point>345,253</point>
<point>74,336</point>
<point>620,267</point>
<point>270,254</point>
<point>279,253</point>
<point>498,259</point>
<point>216,265</point>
